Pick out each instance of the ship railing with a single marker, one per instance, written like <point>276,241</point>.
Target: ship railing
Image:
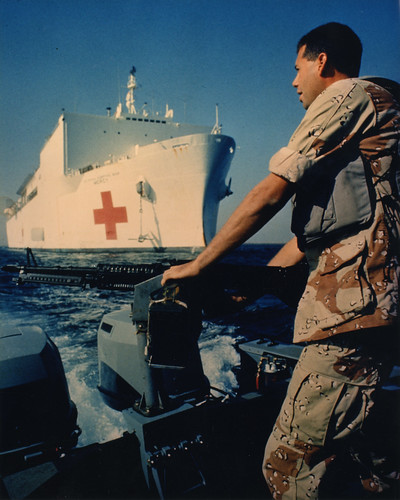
<point>83,170</point>
<point>15,207</point>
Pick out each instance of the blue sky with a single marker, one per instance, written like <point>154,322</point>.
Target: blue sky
<point>191,54</point>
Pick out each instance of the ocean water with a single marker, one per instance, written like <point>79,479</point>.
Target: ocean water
<point>71,316</point>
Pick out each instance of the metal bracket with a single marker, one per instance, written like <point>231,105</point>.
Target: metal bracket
<point>140,306</point>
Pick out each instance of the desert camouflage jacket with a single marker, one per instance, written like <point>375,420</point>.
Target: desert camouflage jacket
<point>354,273</point>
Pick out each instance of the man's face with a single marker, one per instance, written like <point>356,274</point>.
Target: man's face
<point>307,81</point>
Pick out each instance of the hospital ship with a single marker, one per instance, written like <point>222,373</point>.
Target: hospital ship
<point>127,180</point>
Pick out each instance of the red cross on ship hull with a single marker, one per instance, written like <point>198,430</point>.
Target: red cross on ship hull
<point>109,215</point>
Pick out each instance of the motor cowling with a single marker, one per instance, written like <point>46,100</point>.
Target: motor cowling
<point>36,409</point>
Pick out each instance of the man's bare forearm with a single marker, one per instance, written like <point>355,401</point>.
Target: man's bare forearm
<point>257,208</point>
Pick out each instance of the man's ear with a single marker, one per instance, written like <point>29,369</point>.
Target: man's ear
<point>324,67</point>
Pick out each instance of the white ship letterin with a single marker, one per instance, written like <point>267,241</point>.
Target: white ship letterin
<point>124,181</point>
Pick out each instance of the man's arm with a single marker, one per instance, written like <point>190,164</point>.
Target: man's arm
<point>288,255</point>
<point>257,208</point>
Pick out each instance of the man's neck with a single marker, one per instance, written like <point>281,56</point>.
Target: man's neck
<point>334,77</point>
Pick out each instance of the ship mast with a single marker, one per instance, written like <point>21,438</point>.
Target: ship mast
<point>217,129</point>
<point>130,98</point>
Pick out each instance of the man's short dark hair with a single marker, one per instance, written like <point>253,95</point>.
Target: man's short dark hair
<point>340,44</point>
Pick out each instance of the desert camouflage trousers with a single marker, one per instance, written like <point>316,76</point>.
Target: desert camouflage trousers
<point>329,398</point>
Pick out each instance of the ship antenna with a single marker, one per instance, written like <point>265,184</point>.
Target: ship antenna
<point>217,127</point>
<point>130,98</point>
<point>119,87</point>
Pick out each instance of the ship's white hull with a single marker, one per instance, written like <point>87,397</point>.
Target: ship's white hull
<point>164,195</point>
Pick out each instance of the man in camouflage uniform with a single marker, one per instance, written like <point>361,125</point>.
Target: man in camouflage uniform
<point>342,166</point>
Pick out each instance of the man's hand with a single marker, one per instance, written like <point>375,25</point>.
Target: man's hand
<point>187,270</point>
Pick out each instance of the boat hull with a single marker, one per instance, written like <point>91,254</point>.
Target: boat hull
<point>163,195</point>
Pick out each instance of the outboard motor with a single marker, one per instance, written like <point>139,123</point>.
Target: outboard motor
<point>148,355</point>
<point>38,418</point>
<point>150,369</point>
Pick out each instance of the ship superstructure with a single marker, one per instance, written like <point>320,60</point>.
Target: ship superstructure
<point>128,180</point>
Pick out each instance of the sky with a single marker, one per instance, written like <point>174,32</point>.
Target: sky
<point>192,54</point>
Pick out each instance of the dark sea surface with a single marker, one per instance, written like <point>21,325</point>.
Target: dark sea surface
<point>71,316</point>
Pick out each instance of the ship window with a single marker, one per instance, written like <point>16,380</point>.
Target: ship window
<point>163,121</point>
<point>106,327</point>
<point>119,133</point>
<point>32,194</point>
<point>127,118</point>
<point>85,169</point>
<point>37,234</point>
<point>158,121</point>
<point>151,121</point>
<point>140,119</point>
<point>134,119</point>
<point>146,120</point>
